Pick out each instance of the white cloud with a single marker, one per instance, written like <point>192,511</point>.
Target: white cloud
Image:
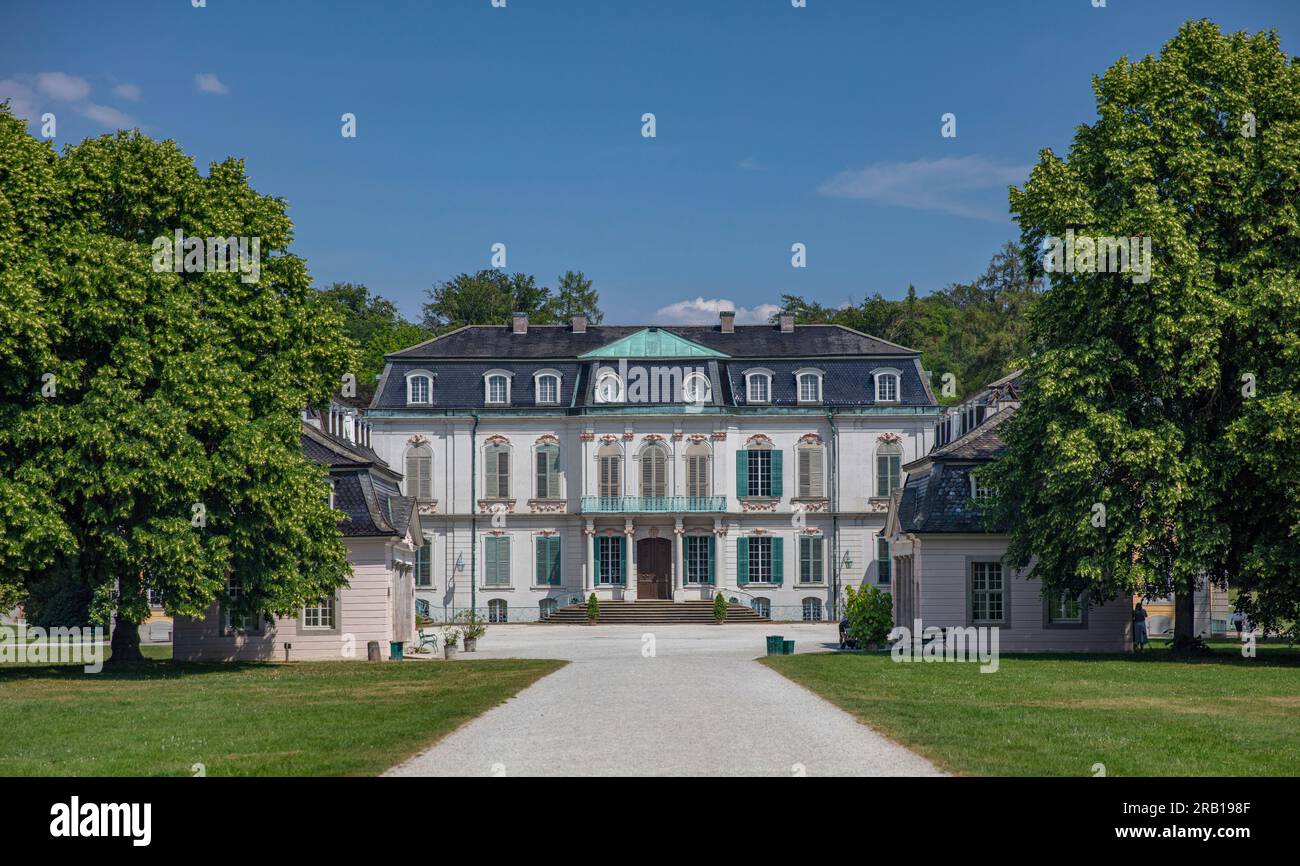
<point>61,86</point>
<point>22,101</point>
<point>127,91</point>
<point>208,82</point>
<point>107,115</point>
<point>704,311</point>
<point>943,185</point>
<point>751,164</point>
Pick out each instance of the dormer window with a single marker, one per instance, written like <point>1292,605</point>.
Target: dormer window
<point>758,386</point>
<point>886,386</point>
<point>810,385</point>
<point>419,387</point>
<point>496,388</point>
<point>609,387</point>
<point>546,387</point>
<point>979,490</point>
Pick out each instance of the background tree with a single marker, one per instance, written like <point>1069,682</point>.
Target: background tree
<point>165,391</point>
<point>1137,401</point>
<point>575,296</point>
<point>375,325</point>
<point>489,297</point>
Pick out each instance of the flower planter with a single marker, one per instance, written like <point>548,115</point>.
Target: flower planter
<point>471,644</point>
<point>449,652</point>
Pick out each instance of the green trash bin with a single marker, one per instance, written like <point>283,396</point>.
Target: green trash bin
<point>774,644</point>
<point>395,650</point>
<point>787,648</point>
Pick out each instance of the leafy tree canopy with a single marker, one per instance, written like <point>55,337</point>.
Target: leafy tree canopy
<point>489,297</point>
<point>376,326</point>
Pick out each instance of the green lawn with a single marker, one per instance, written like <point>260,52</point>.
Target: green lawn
<point>300,719</point>
<point>1060,715</point>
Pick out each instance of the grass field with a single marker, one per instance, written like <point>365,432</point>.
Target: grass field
<point>301,719</point>
<point>1059,715</point>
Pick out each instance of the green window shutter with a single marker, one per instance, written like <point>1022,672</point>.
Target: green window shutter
<point>503,561</point>
<point>595,578</point>
<point>778,560</point>
<point>713,557</point>
<point>490,561</point>
<point>554,577</point>
<point>541,549</point>
<point>742,561</point>
<point>622,560</point>
<point>742,473</point>
<point>776,472</point>
<point>553,490</point>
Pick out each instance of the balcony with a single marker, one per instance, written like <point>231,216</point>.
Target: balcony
<point>654,504</point>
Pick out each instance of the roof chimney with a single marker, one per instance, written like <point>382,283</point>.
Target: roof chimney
<point>728,319</point>
<point>787,322</point>
<point>579,324</point>
<point>520,323</point>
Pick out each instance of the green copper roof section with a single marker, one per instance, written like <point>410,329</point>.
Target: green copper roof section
<point>654,343</point>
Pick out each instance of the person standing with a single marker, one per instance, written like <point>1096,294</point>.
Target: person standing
<point>1139,627</point>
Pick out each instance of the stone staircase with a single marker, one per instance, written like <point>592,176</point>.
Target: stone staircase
<point>653,612</point>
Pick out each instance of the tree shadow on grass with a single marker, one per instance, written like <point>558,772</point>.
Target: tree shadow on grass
<point>147,670</point>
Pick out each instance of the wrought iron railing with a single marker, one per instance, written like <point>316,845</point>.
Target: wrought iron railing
<point>654,504</point>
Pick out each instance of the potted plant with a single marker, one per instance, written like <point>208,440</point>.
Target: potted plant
<point>593,610</point>
<point>450,637</point>
<point>719,609</point>
<point>472,627</point>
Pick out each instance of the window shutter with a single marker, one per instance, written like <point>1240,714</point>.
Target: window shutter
<point>542,549</point>
<point>541,472</point>
<point>553,485</point>
<point>489,560</point>
<point>742,561</point>
<point>713,557</point>
<point>776,472</point>
<point>554,577</point>
<point>503,473</point>
<point>816,473</point>
<point>503,561</point>
<point>742,473</point>
<point>778,560</point>
<point>491,482</point>
<point>622,560</point>
<point>805,472</point>
<point>595,578</point>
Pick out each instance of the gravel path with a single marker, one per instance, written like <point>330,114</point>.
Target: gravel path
<point>700,705</point>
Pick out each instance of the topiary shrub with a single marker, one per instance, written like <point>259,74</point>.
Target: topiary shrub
<point>593,609</point>
<point>719,609</point>
<point>870,613</point>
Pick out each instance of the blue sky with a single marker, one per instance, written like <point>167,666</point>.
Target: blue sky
<point>479,125</point>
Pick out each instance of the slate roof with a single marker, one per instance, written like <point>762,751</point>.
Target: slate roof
<point>982,443</point>
<point>559,341</point>
<point>937,494</point>
<point>459,385</point>
<point>365,488</point>
<point>844,383</point>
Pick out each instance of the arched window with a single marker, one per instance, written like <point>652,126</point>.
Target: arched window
<point>762,607</point>
<point>419,471</point>
<point>697,470</point>
<point>546,387</point>
<point>654,472</point>
<point>496,471</point>
<point>889,458</point>
<point>546,608</point>
<point>886,386</point>
<point>812,482</point>
<point>812,610</point>
<point>610,477</point>
<point>810,386</point>
<point>696,389</point>
<point>498,610</point>
<point>758,386</point>
<point>496,388</point>
<point>609,387</point>
<point>419,387</point>
<point>548,471</point>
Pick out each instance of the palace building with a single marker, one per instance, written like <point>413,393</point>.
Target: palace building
<point>650,463</point>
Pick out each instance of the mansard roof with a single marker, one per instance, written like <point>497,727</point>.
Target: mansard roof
<point>939,500</point>
<point>559,341</point>
<point>365,488</point>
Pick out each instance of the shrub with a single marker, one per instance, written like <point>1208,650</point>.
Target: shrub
<point>870,614</point>
<point>472,625</point>
<point>593,608</point>
<point>719,608</point>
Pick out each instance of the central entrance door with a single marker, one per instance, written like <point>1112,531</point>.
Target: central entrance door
<point>654,568</point>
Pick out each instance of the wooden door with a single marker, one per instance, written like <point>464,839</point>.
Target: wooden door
<point>654,564</point>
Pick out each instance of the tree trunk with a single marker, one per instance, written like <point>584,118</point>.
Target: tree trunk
<point>125,644</point>
<point>1184,620</point>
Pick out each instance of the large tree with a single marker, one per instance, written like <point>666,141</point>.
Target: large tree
<point>488,297</point>
<point>575,296</point>
<point>374,323</point>
<point>149,419</point>
<point>1170,403</point>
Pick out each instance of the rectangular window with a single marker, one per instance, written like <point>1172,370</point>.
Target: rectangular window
<point>424,563</point>
<point>1065,609</point>
<point>610,552</point>
<point>699,565</point>
<point>610,484</point>
<point>497,389</point>
<point>887,471</point>
<point>810,388</point>
<point>810,473</point>
<point>758,389</point>
<point>697,475</point>
<point>548,472</point>
<point>760,560</point>
<point>979,491</point>
<point>548,560</point>
<point>883,570</point>
<point>548,390</point>
<point>887,388</point>
<point>319,615</point>
<point>760,473</point>
<point>988,593</point>
<point>810,559</point>
<point>496,565</point>
<point>497,480</point>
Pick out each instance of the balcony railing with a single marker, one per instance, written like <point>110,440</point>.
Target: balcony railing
<point>654,504</point>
